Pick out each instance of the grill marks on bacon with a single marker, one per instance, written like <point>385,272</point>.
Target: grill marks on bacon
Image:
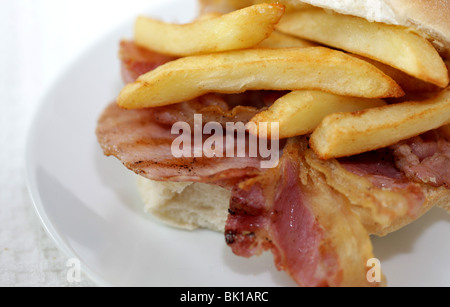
<point>143,145</point>
<point>315,243</point>
<point>425,159</point>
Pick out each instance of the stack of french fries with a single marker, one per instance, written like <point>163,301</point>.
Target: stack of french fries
<point>346,76</point>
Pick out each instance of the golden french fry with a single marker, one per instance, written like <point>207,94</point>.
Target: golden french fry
<point>291,5</point>
<point>275,40</point>
<point>280,40</point>
<point>300,112</point>
<point>223,6</point>
<point>347,134</point>
<point>258,69</point>
<point>226,6</point>
<point>388,44</point>
<point>237,30</point>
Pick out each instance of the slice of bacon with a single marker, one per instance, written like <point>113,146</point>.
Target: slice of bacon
<point>380,194</point>
<point>137,60</point>
<point>425,159</point>
<point>311,230</point>
<point>144,145</point>
<point>217,108</point>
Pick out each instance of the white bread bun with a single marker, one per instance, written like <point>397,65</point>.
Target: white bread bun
<point>429,18</point>
<point>186,205</point>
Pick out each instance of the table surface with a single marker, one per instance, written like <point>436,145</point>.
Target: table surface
<point>39,39</point>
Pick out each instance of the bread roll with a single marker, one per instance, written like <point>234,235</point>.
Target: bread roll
<point>186,205</point>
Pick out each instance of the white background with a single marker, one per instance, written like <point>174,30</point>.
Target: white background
<point>39,38</point>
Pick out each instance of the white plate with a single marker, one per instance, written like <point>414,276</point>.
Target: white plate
<point>90,206</point>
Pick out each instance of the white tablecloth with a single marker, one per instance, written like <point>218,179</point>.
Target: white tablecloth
<point>38,39</point>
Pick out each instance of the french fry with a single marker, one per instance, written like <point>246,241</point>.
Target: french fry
<point>258,69</point>
<point>275,40</point>
<point>347,134</point>
<point>281,40</point>
<point>388,44</point>
<point>300,112</point>
<point>223,6</point>
<point>291,5</point>
<point>236,30</point>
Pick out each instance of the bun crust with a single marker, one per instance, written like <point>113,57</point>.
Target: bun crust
<point>429,17</point>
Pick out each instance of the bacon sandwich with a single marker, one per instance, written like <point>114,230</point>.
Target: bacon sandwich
<point>359,92</point>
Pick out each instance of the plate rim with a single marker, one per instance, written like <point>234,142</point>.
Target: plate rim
<point>30,138</point>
